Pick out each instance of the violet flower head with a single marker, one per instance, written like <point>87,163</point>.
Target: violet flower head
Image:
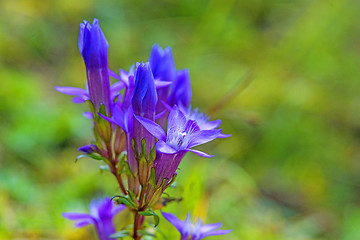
<point>162,63</point>
<point>144,98</point>
<point>144,102</point>
<point>194,231</point>
<point>102,212</point>
<point>182,135</point>
<point>163,67</point>
<point>181,89</point>
<point>93,46</point>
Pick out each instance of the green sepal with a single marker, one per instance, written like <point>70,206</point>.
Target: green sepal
<point>131,195</point>
<point>171,180</point>
<point>150,212</point>
<point>157,193</point>
<point>152,178</point>
<point>152,155</point>
<point>133,147</point>
<point>92,108</point>
<point>143,171</point>
<point>121,164</point>
<point>104,127</point>
<point>102,109</point>
<point>143,153</point>
<point>120,234</point>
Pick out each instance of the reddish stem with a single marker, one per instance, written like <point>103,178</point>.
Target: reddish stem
<point>114,170</point>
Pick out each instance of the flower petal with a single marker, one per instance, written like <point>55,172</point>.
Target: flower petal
<point>210,227</point>
<point>83,223</point>
<point>204,136</point>
<point>214,233</point>
<point>88,115</point>
<point>77,216</point>
<point>176,122</point>
<point>110,120</point>
<point>208,125</point>
<point>161,84</point>
<point>162,147</point>
<point>177,223</point>
<point>80,99</point>
<point>113,75</point>
<point>71,90</point>
<point>202,154</point>
<point>159,115</point>
<point>221,135</point>
<point>152,127</point>
<point>116,209</point>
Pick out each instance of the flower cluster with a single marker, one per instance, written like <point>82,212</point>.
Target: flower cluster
<point>102,212</point>
<point>143,122</point>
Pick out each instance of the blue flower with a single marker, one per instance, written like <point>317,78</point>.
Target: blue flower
<point>163,68</point>
<point>182,135</point>
<point>180,89</point>
<point>93,46</point>
<point>102,212</point>
<point>194,231</point>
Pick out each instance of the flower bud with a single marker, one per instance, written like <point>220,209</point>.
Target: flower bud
<point>163,67</point>
<point>143,103</point>
<point>94,49</point>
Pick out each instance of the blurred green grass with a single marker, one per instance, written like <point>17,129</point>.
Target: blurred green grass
<point>282,75</point>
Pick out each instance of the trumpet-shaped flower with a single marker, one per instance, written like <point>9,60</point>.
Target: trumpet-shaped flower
<point>93,46</point>
<point>101,216</point>
<point>194,231</point>
<point>182,135</point>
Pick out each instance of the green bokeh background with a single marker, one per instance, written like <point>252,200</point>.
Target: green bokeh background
<point>283,76</point>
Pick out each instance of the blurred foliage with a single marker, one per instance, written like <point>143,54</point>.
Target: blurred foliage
<point>282,75</point>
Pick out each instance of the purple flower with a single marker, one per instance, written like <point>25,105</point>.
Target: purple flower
<point>88,149</point>
<point>196,230</point>
<point>162,63</point>
<point>182,135</point>
<point>143,103</point>
<point>201,119</point>
<point>180,89</point>
<point>93,46</point>
<point>94,49</point>
<point>101,216</point>
<point>163,67</point>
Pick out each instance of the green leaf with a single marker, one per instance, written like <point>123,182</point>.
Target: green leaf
<point>147,213</point>
<point>93,156</point>
<point>127,201</point>
<point>150,212</point>
<point>120,234</point>
<point>146,233</point>
<point>156,220</point>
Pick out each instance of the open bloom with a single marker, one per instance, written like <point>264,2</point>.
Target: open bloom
<point>102,212</point>
<point>194,231</point>
<point>182,135</point>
